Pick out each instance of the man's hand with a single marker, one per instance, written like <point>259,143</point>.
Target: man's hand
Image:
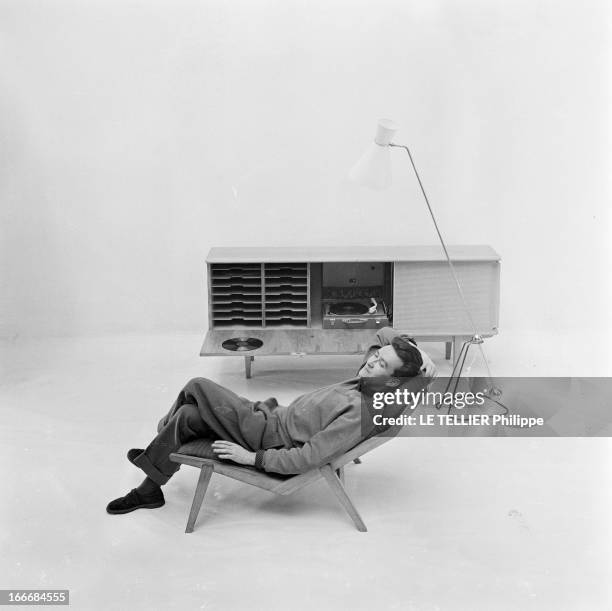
<point>428,369</point>
<point>232,451</point>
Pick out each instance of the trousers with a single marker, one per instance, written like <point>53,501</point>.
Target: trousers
<point>205,409</point>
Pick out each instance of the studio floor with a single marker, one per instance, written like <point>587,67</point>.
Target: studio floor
<point>454,523</point>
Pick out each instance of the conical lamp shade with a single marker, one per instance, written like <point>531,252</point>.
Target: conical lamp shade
<point>374,168</point>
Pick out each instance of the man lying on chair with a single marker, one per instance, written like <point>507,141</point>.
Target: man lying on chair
<point>307,434</point>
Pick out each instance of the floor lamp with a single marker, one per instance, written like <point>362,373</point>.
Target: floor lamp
<point>373,170</point>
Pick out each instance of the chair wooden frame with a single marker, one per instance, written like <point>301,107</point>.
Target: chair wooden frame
<point>333,473</point>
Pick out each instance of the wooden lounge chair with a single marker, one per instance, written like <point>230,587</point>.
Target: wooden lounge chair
<point>198,453</point>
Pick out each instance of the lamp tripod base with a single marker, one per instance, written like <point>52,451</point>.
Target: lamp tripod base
<point>459,359</point>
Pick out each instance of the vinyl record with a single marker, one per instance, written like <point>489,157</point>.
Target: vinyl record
<point>241,344</point>
<point>348,308</point>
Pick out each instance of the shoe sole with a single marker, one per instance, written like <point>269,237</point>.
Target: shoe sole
<point>144,506</point>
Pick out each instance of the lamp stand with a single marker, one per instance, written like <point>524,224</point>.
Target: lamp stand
<point>476,339</point>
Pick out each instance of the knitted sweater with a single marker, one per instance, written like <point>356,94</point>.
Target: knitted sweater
<point>320,425</point>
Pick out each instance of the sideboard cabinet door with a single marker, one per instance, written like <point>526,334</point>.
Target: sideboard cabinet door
<point>426,300</point>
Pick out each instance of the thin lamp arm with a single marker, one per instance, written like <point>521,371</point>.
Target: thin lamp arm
<point>433,218</point>
<point>450,263</point>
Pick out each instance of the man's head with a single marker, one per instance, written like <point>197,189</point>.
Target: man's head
<point>401,358</point>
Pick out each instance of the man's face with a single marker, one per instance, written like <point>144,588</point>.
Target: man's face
<point>383,362</point>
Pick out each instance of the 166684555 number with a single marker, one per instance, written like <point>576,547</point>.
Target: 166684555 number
<point>34,597</point>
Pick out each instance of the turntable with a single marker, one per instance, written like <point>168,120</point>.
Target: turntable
<point>357,313</point>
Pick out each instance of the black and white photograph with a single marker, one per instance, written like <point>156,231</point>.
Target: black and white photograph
<point>306,305</point>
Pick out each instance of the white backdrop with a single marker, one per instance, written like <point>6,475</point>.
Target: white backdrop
<point>135,135</point>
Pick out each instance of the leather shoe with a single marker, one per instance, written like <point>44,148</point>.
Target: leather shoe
<point>135,500</point>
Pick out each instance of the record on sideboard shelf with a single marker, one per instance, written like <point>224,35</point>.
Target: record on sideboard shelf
<point>242,344</point>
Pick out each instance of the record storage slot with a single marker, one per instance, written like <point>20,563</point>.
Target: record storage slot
<point>259,295</point>
<point>286,294</point>
<point>236,295</point>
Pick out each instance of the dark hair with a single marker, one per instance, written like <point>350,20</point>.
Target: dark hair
<point>410,355</point>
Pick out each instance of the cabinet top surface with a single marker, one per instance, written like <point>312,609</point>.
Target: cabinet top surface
<point>316,254</point>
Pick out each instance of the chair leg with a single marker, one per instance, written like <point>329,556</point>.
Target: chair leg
<point>343,497</point>
<point>198,497</point>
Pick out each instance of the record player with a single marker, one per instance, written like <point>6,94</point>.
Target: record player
<point>353,296</point>
<point>355,313</point>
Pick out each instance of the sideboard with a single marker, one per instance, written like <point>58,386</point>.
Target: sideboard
<point>276,300</point>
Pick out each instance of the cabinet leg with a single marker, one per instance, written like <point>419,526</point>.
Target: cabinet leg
<point>247,366</point>
<point>449,346</point>
<point>456,348</point>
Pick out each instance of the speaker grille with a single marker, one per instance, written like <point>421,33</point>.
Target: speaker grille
<point>426,299</point>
